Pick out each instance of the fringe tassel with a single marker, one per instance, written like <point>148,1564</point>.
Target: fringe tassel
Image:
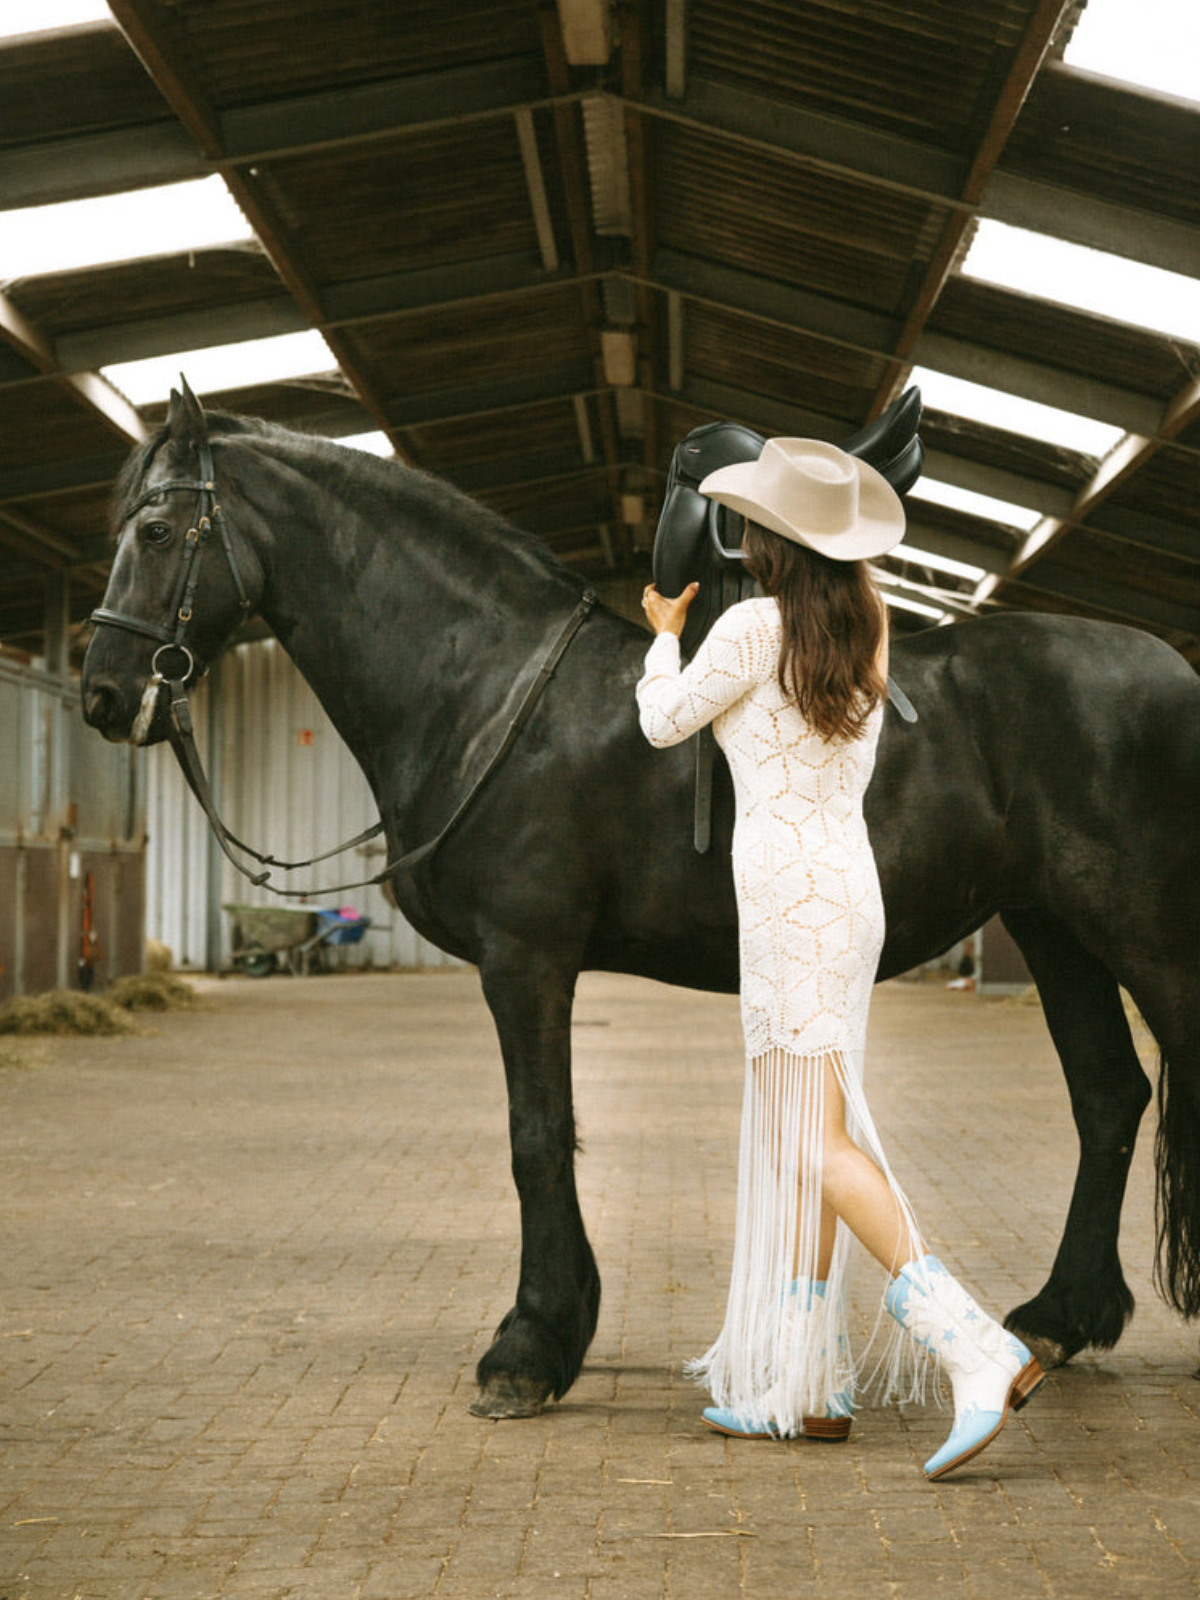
<point>784,1351</point>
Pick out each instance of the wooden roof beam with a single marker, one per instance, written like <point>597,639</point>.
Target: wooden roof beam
<point>306,124</point>
<point>1119,601</point>
<point>164,152</point>
<point>953,545</point>
<point>31,539</point>
<point>1117,468</point>
<point>102,163</point>
<point>95,392</point>
<point>567,119</point>
<point>165,61</point>
<point>644,240</point>
<point>763,124</point>
<point>823,317</point>
<point>161,46</point>
<point>489,281</point>
<point>1038,37</point>
<point>1142,531</point>
<point>66,476</point>
<point>1118,230</point>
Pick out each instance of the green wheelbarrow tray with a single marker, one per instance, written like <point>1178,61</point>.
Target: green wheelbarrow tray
<point>261,934</point>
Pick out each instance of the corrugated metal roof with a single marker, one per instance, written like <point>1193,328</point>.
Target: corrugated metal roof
<point>765,208</point>
<point>920,71</point>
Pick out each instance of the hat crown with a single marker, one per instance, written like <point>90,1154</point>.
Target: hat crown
<point>813,484</point>
<point>814,494</point>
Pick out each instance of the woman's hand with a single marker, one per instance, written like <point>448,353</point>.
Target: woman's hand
<point>667,616</point>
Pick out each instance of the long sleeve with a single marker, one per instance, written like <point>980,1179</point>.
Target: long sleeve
<point>676,702</point>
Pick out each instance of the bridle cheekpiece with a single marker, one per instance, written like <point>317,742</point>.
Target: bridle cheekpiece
<point>174,663</point>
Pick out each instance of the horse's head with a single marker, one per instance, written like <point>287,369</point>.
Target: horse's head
<point>180,584</point>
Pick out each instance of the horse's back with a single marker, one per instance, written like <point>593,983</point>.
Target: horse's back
<point>1056,763</point>
<point>1062,686</point>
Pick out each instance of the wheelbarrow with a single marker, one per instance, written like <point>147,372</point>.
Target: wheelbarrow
<point>266,937</point>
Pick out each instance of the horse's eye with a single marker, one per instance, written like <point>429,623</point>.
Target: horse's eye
<point>157,533</point>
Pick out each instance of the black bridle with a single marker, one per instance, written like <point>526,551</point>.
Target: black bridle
<point>209,519</point>
<point>172,653</point>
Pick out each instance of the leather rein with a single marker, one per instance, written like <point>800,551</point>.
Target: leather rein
<point>173,665</point>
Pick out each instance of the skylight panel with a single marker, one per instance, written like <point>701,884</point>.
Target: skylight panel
<point>119,227</point>
<point>375,444</point>
<point>902,602</point>
<point>995,409</point>
<point>19,17</point>
<point>1087,280</point>
<point>1148,43</point>
<point>985,506</point>
<point>939,563</point>
<point>222,367</point>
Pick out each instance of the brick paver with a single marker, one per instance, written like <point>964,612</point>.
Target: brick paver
<point>252,1255</point>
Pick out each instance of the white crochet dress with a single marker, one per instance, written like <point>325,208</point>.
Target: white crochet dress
<point>810,922</point>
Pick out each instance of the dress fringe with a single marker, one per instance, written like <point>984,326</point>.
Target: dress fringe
<point>784,1352</point>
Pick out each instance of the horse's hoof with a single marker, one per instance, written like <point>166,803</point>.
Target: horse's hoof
<point>509,1397</point>
<point>1049,1352</point>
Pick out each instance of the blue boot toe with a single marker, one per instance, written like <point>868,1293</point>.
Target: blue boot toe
<point>722,1420</point>
<point>970,1433</point>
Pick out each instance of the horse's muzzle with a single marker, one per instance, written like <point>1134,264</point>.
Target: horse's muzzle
<point>105,708</point>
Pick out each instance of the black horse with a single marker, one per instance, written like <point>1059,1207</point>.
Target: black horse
<point>1052,777</point>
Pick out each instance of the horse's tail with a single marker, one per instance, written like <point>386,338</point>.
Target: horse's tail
<point>1177,1195</point>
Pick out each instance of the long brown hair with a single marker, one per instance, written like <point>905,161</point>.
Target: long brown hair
<point>833,626</point>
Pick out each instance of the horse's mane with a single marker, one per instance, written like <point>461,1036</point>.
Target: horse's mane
<point>353,471</point>
<point>140,459</point>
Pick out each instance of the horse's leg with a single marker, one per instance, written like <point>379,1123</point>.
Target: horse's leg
<point>540,1345</point>
<point>1086,1300</point>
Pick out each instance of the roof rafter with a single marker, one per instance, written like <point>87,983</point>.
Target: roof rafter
<point>1129,457</point>
<point>166,60</point>
<point>99,396</point>
<point>1118,601</point>
<point>1036,41</point>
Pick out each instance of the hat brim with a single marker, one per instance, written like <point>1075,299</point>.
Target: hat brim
<point>878,528</point>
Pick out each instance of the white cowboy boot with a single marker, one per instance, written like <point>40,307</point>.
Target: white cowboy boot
<point>833,1425</point>
<point>991,1371</point>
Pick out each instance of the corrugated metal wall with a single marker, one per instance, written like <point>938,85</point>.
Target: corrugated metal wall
<point>286,784</point>
<point>71,813</point>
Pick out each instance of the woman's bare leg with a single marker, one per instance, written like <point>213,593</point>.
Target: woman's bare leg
<point>826,1238</point>
<point>854,1189</point>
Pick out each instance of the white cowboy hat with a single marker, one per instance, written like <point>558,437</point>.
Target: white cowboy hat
<point>814,494</point>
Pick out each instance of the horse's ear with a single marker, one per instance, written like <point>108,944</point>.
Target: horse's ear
<point>186,421</point>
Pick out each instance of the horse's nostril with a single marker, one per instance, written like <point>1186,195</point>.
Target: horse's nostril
<point>101,705</point>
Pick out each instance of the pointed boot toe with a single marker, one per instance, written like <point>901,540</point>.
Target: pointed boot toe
<point>722,1420</point>
<point>991,1371</point>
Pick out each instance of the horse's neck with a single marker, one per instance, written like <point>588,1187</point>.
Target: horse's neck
<point>410,637</point>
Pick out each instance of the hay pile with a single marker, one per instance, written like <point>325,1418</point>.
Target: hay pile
<point>64,1011</point>
<point>153,991</point>
<point>158,957</point>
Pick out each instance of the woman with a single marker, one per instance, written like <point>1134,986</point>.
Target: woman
<point>794,684</point>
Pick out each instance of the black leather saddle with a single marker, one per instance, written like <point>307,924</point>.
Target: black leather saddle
<point>699,540</point>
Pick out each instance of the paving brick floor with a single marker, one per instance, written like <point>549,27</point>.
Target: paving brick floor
<point>251,1256</point>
